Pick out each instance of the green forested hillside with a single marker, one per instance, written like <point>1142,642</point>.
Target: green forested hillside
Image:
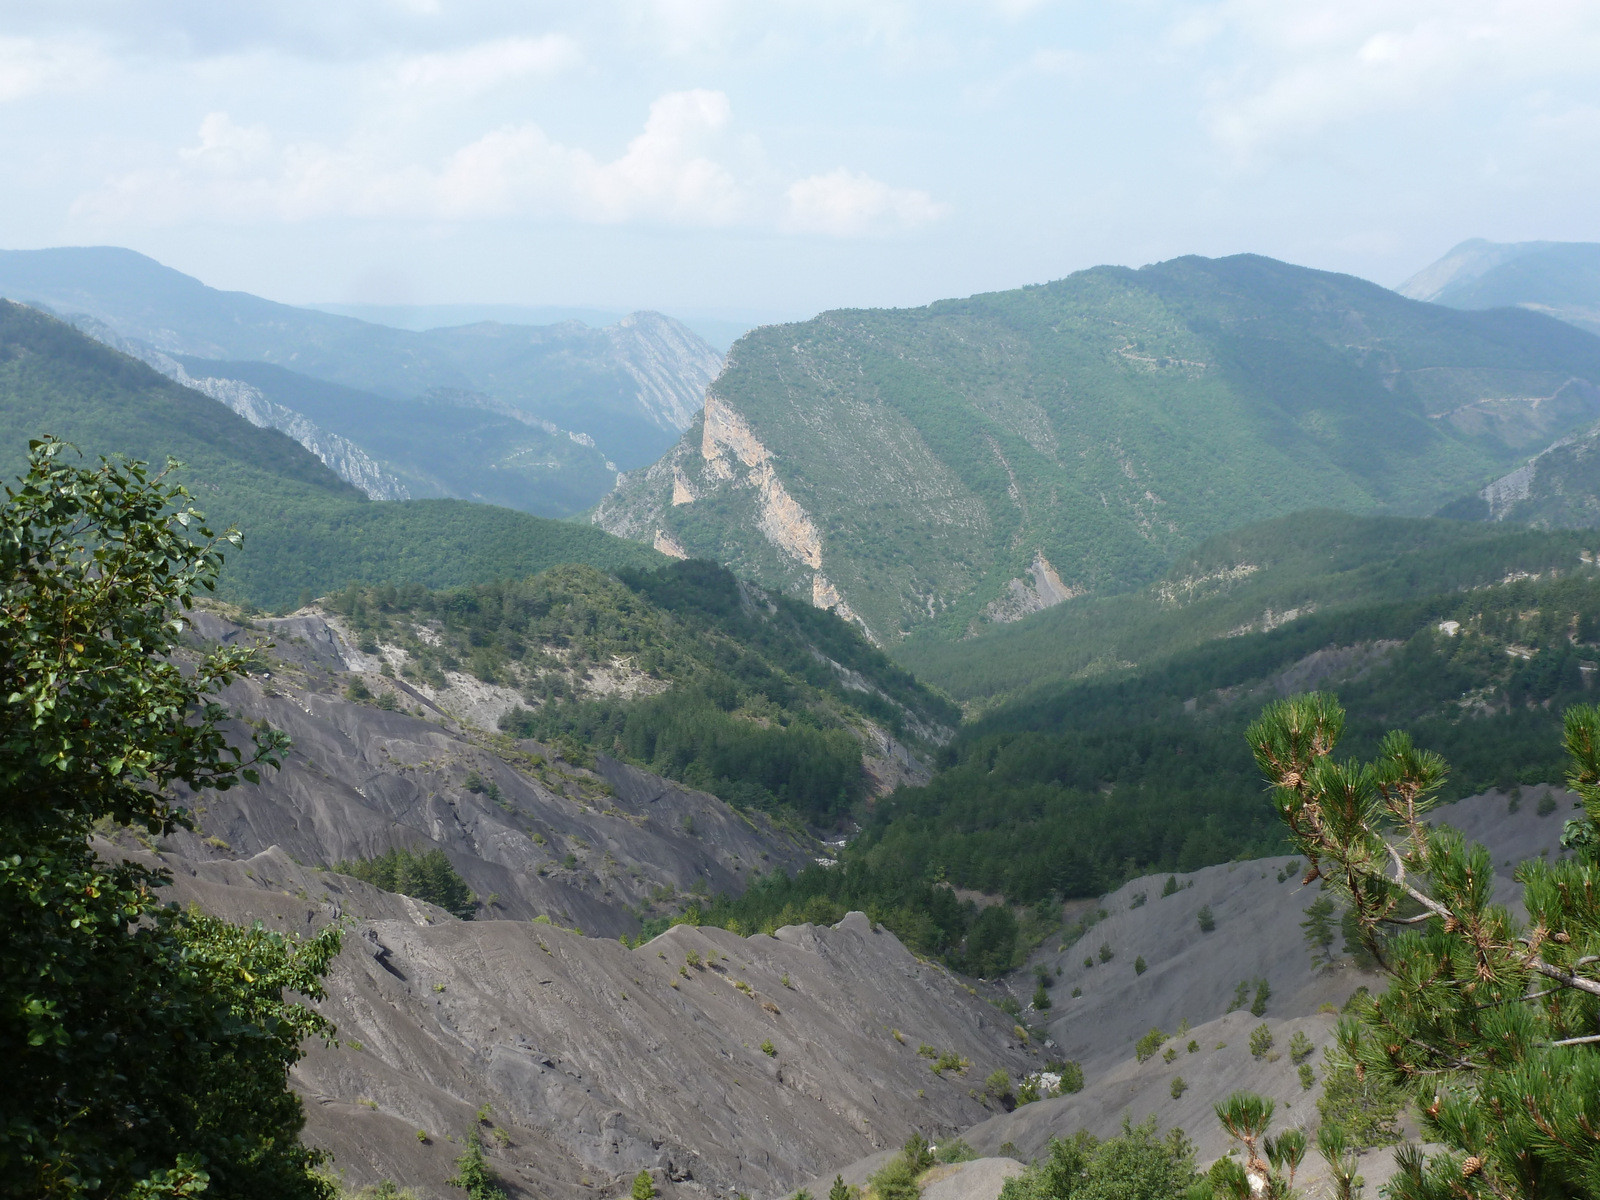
<point>754,697</point>
<point>1077,787</point>
<point>961,464</point>
<point>306,531</point>
<point>1249,580</point>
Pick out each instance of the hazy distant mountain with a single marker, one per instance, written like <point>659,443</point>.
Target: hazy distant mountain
<point>421,317</point>
<point>719,332</point>
<point>1558,278</point>
<point>976,460</point>
<point>446,443</point>
<point>305,528</point>
<point>629,387</point>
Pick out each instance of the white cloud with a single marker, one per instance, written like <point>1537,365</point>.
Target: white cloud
<point>225,147</point>
<point>29,66</point>
<point>489,64</point>
<point>683,168</point>
<point>667,174</point>
<point>1294,70</point>
<point>846,204</point>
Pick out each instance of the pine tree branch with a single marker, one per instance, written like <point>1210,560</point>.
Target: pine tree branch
<point>1432,905</point>
<point>1567,977</point>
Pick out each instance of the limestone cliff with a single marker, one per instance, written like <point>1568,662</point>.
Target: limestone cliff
<point>728,462</point>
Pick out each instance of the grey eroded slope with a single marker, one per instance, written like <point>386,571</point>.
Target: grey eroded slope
<point>598,1061</point>
<point>360,780</point>
<point>1192,975</point>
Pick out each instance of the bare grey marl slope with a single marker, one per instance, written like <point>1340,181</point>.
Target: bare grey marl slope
<point>597,1061</point>
<point>587,848</point>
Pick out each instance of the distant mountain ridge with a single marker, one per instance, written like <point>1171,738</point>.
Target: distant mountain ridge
<point>929,471</point>
<point>341,456</point>
<point>719,332</point>
<point>625,390</point>
<point>1558,278</point>
<point>306,530</point>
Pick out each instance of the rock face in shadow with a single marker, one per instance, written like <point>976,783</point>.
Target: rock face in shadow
<point>721,1064</point>
<point>588,848</point>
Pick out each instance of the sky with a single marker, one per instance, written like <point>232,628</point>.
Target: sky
<point>767,159</point>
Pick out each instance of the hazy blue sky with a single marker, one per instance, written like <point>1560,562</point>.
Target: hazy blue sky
<point>776,157</point>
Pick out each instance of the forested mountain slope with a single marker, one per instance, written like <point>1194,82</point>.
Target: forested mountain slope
<point>630,387</point>
<point>979,459</point>
<point>1250,580</point>
<point>1559,278</point>
<point>1073,788</point>
<point>306,530</point>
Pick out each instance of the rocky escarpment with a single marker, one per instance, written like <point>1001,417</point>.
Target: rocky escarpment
<point>341,456</point>
<point>669,365</point>
<point>1558,488</point>
<point>1042,589</point>
<point>720,1064</point>
<point>590,847</point>
<point>726,464</point>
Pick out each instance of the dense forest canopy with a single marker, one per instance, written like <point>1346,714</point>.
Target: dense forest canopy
<point>1076,788</point>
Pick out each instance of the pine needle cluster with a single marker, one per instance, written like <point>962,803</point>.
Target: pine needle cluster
<point>1490,1024</point>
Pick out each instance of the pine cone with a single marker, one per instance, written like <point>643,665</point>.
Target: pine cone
<point>1472,1166</point>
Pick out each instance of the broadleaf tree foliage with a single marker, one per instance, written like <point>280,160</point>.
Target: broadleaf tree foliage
<point>146,1049</point>
<point>1493,1026</point>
